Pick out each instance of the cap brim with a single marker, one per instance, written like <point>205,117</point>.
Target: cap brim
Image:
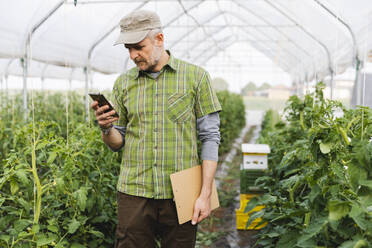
<point>131,37</point>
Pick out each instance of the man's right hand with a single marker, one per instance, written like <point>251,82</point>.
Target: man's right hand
<point>104,120</point>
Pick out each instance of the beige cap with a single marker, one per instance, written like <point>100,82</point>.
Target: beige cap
<point>135,26</point>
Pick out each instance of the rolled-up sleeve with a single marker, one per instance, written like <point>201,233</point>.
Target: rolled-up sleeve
<point>208,128</point>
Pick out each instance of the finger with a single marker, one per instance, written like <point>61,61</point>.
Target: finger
<point>201,217</point>
<point>195,216</point>
<point>106,116</point>
<point>102,109</point>
<point>94,105</point>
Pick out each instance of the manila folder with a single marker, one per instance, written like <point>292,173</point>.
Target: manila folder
<point>186,185</point>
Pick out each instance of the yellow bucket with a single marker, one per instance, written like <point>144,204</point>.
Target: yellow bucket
<point>242,218</point>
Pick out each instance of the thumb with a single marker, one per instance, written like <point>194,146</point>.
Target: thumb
<point>195,216</point>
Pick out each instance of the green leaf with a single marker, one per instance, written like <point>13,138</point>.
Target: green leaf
<point>367,183</point>
<point>45,241</point>
<point>97,234</point>
<point>313,229</point>
<point>77,245</point>
<point>73,226</point>
<point>288,240</point>
<point>81,197</point>
<point>253,216</point>
<point>361,243</point>
<point>5,238</point>
<point>251,204</point>
<point>35,228</point>
<point>354,244</point>
<point>325,148</point>
<point>14,186</point>
<point>52,157</point>
<point>337,210</point>
<point>22,176</point>
<point>53,228</point>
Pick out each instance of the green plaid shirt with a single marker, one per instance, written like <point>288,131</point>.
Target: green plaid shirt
<point>160,115</point>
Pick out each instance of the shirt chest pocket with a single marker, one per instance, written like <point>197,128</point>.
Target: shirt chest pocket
<point>180,107</point>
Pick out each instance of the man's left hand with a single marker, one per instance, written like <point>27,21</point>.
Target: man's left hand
<point>202,209</point>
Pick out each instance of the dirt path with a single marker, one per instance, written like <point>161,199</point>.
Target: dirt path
<point>233,238</point>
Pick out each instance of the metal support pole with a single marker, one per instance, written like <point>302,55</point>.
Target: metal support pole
<point>357,84</point>
<point>6,87</point>
<point>331,85</point>
<point>25,67</point>
<point>27,49</point>
<point>87,74</point>
<point>2,92</point>
<point>42,83</point>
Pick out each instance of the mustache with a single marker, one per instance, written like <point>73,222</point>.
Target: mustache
<point>139,60</point>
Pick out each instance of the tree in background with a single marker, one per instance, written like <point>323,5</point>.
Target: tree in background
<point>220,84</point>
<point>264,86</point>
<point>248,89</point>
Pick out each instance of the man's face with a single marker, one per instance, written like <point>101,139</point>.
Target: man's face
<point>145,54</point>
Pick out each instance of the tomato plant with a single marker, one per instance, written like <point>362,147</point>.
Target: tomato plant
<point>320,177</point>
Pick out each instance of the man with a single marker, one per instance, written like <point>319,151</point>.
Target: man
<point>163,104</point>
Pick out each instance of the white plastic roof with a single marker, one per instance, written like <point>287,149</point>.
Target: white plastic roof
<point>306,38</point>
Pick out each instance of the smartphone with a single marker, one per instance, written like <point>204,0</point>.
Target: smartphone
<point>102,101</point>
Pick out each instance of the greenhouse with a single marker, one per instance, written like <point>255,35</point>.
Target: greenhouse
<point>293,79</point>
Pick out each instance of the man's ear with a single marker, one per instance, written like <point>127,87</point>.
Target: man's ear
<point>159,39</point>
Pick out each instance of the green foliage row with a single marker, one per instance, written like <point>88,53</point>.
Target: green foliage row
<point>57,178</point>
<point>319,185</point>
<point>232,119</point>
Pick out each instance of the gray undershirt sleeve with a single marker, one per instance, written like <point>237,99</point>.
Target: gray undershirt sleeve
<point>121,130</point>
<point>208,128</point>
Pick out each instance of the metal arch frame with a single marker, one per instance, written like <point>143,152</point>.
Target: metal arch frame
<point>197,43</point>
<point>214,54</point>
<point>223,42</point>
<point>195,28</point>
<point>42,75</point>
<point>255,45</point>
<point>306,32</point>
<point>278,30</point>
<point>196,21</point>
<point>265,51</point>
<point>199,25</point>
<point>124,1</point>
<point>355,48</point>
<point>339,19</point>
<point>6,74</point>
<point>70,77</point>
<point>27,48</point>
<point>241,19</point>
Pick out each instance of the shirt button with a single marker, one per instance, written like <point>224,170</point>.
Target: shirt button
<point>155,147</point>
<point>155,130</point>
<point>155,164</point>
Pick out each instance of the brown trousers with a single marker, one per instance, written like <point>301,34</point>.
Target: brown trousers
<point>142,220</point>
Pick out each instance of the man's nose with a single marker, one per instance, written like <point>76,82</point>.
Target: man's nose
<point>133,53</point>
